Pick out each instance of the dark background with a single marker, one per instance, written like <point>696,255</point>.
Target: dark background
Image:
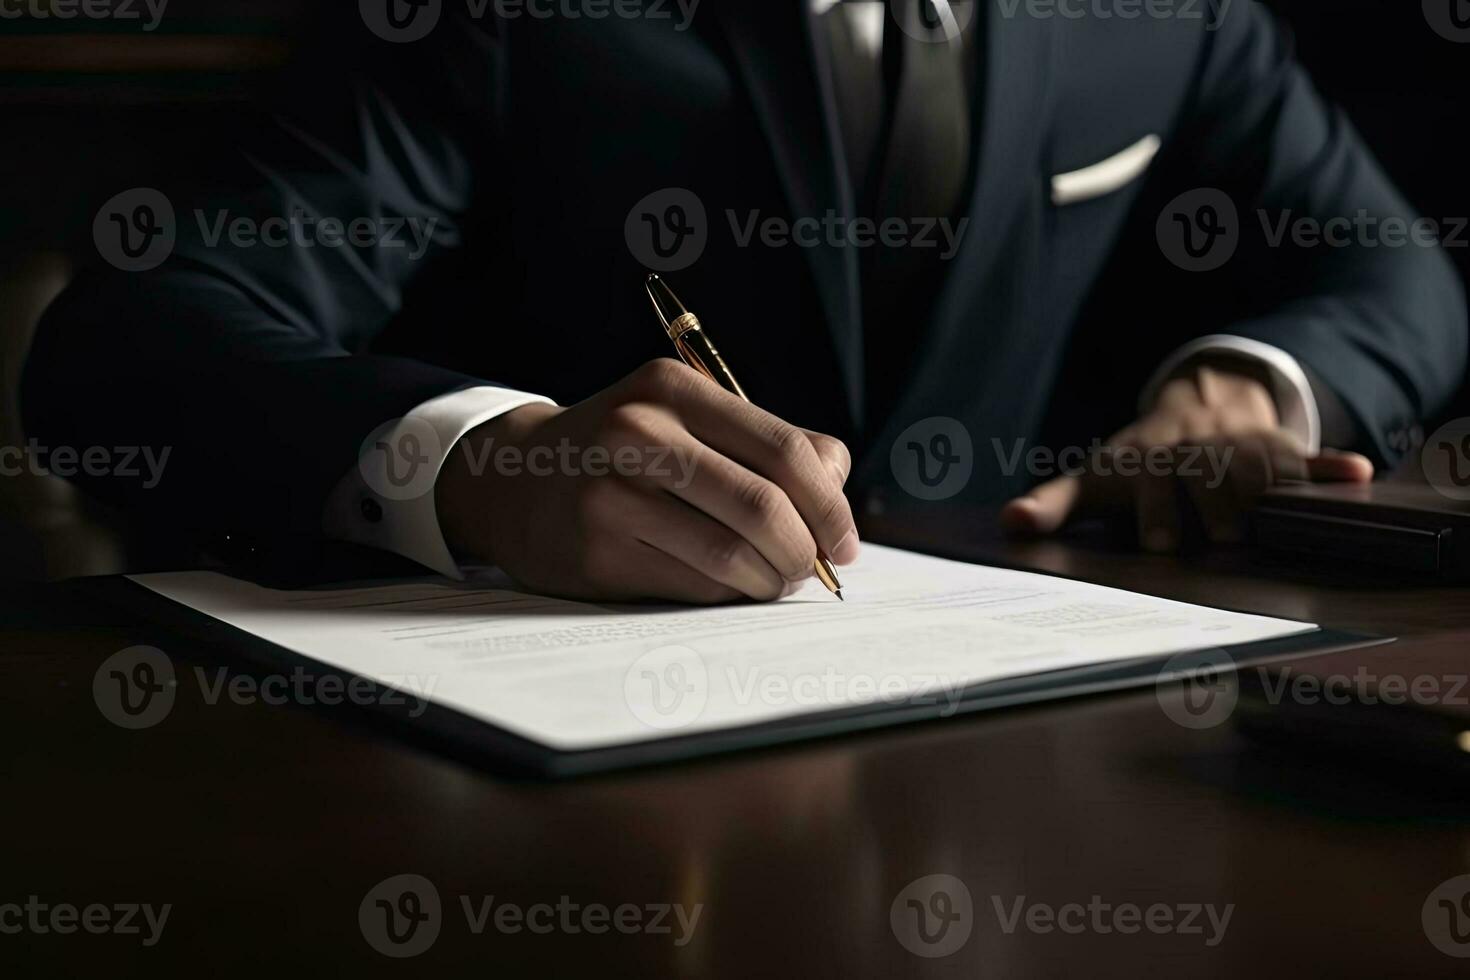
<point>87,104</point>
<point>1408,92</point>
<point>89,108</point>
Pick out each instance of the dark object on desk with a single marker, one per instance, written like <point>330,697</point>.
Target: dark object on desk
<point>1398,528</point>
<point>1396,722</point>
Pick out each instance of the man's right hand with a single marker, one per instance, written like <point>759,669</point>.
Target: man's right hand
<point>663,486</point>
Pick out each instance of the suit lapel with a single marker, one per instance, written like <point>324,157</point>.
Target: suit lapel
<point>785,73</point>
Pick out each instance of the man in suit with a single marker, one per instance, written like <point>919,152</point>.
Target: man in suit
<point>366,326</point>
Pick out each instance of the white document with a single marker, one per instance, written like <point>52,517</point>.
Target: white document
<point>574,675</point>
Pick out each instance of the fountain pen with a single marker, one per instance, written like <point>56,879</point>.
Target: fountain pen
<point>697,351</point>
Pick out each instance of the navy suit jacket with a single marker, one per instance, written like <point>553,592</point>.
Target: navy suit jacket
<point>529,141</point>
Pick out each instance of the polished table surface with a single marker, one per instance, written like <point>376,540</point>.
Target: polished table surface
<point>266,827</point>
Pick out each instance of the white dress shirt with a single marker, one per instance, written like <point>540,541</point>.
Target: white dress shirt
<point>408,525</point>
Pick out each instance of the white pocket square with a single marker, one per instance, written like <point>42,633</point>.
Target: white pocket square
<point>1107,175</point>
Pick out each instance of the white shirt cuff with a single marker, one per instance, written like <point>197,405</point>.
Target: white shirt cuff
<point>1296,406</point>
<point>386,501</point>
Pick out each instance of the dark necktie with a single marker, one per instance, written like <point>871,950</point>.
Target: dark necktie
<point>905,120</point>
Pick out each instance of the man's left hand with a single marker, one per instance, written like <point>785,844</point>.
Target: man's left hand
<point>1212,431</point>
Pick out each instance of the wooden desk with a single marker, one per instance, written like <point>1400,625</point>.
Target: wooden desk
<point>265,827</point>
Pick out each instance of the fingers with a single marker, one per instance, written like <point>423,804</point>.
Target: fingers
<point>1222,477</point>
<point>785,456</point>
<point>654,547</point>
<point>662,576</point>
<point>1157,512</point>
<point>1221,492</point>
<point>1098,491</point>
<point>749,505</point>
<point>705,545</point>
<point>754,508</point>
<point>801,469</point>
<point>833,453</point>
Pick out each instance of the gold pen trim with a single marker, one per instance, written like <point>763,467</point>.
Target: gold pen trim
<point>682,325</point>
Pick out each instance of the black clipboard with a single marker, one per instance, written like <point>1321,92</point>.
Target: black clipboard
<point>481,744</point>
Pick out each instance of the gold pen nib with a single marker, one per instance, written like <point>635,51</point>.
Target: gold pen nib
<point>839,596</point>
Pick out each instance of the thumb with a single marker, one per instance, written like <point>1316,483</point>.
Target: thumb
<point>1044,509</point>
<point>1333,466</point>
